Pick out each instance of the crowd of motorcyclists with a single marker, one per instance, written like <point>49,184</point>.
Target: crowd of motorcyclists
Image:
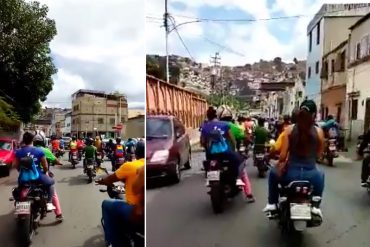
<point>115,213</point>
<point>297,142</point>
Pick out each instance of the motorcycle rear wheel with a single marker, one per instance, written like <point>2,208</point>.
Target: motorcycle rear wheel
<point>25,231</point>
<point>217,198</point>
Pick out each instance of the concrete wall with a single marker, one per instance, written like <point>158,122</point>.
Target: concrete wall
<point>164,98</point>
<point>135,127</point>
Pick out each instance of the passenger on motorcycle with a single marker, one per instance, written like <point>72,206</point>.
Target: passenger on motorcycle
<point>330,127</point>
<point>80,144</point>
<point>72,147</point>
<point>261,136</point>
<point>365,171</point>
<point>39,141</point>
<point>224,145</point>
<point>302,144</point>
<point>90,152</point>
<point>55,144</point>
<point>99,146</point>
<point>118,152</point>
<point>226,115</point>
<point>276,148</point>
<point>61,143</point>
<point>130,146</point>
<point>117,214</point>
<point>39,158</point>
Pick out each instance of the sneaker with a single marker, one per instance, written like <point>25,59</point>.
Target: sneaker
<point>59,218</point>
<point>269,208</point>
<point>316,211</point>
<point>50,207</point>
<point>239,182</point>
<point>250,199</point>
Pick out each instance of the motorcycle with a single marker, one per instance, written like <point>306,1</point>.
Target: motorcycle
<point>74,158</point>
<point>30,208</point>
<point>135,237</point>
<point>261,161</point>
<point>58,153</point>
<point>80,154</point>
<point>90,169</point>
<point>331,151</point>
<point>221,182</point>
<point>294,210</point>
<point>367,159</point>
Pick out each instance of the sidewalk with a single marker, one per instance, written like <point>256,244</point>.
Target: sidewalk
<point>194,136</point>
<point>351,154</point>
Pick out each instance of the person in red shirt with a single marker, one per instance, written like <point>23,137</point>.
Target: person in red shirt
<point>55,145</point>
<point>80,147</point>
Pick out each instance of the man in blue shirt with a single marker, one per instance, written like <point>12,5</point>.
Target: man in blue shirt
<point>38,156</point>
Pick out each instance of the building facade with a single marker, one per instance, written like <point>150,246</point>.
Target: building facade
<point>293,96</point>
<point>98,113</point>
<point>327,30</point>
<point>67,124</point>
<point>135,127</point>
<point>358,87</point>
<point>333,83</point>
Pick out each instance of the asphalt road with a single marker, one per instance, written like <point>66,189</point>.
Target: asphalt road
<point>181,215</point>
<point>81,206</point>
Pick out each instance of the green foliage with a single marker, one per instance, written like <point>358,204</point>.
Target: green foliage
<point>26,67</point>
<point>153,68</point>
<point>230,100</point>
<point>8,118</point>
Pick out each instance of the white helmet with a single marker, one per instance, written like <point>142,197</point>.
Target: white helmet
<point>224,111</point>
<point>39,136</point>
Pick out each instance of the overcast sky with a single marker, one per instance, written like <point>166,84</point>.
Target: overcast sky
<point>252,41</point>
<point>100,45</point>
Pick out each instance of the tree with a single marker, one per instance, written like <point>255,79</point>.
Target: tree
<point>26,67</point>
<point>153,68</point>
<point>8,118</point>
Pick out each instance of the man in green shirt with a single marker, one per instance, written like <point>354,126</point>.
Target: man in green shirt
<point>90,152</point>
<point>261,136</point>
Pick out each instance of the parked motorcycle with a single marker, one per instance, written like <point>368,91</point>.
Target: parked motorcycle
<point>134,238</point>
<point>30,208</point>
<point>294,212</point>
<point>90,169</point>
<point>221,182</point>
<point>74,158</point>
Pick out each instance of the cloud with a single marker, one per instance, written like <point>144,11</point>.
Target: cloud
<point>100,45</point>
<point>284,38</point>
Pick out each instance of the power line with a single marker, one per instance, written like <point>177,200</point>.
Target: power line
<point>182,41</point>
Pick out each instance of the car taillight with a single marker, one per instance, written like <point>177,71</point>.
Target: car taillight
<point>297,189</point>
<point>305,190</point>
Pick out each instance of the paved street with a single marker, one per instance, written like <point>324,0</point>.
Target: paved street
<point>181,215</point>
<point>81,209</point>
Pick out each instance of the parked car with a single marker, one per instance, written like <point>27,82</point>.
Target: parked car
<point>168,147</point>
<point>7,155</point>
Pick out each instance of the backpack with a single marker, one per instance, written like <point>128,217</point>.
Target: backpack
<point>119,151</point>
<point>28,170</point>
<point>216,142</point>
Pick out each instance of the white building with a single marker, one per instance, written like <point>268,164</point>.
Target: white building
<point>66,130</point>
<point>293,96</point>
<point>327,30</point>
<point>358,86</point>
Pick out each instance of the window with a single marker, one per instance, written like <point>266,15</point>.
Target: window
<point>318,34</point>
<point>343,61</point>
<point>317,67</point>
<point>158,128</point>
<point>100,120</point>
<point>179,128</point>
<point>332,69</point>
<point>309,72</point>
<point>310,42</point>
<point>358,51</point>
<point>354,109</point>
<point>112,121</point>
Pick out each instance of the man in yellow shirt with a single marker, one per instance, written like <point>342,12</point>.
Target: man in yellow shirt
<point>118,214</point>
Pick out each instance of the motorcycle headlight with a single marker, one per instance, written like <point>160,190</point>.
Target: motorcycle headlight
<point>160,156</point>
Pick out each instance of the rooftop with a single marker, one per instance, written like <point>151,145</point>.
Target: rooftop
<point>359,22</point>
<point>102,94</point>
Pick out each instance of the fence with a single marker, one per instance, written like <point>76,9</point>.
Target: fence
<point>168,99</point>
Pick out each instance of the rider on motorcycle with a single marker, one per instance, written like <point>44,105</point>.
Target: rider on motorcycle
<point>118,152</point>
<point>130,145</point>
<point>119,209</point>
<point>55,144</point>
<point>39,158</point>
<point>72,147</point>
<point>226,115</point>
<point>39,141</point>
<point>225,146</point>
<point>261,136</point>
<point>99,146</point>
<point>61,143</point>
<point>89,151</point>
<point>80,145</point>
<point>365,172</point>
<point>302,144</point>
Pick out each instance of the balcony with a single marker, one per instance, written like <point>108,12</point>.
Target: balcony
<point>337,79</point>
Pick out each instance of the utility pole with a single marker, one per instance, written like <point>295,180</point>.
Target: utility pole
<point>165,16</point>
<point>215,61</point>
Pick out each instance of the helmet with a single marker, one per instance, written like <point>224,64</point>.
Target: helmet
<point>39,138</point>
<point>140,150</point>
<point>224,111</point>
<point>88,141</point>
<point>118,140</point>
<point>73,138</point>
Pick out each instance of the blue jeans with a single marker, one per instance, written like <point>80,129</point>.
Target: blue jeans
<point>116,218</point>
<point>312,174</point>
<point>48,182</point>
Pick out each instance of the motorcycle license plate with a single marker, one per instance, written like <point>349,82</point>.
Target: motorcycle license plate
<point>332,148</point>
<point>23,208</point>
<point>260,156</point>
<point>300,211</point>
<point>213,175</point>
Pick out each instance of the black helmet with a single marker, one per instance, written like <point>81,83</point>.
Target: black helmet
<point>118,140</point>
<point>140,150</point>
<point>74,138</point>
<point>88,141</point>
